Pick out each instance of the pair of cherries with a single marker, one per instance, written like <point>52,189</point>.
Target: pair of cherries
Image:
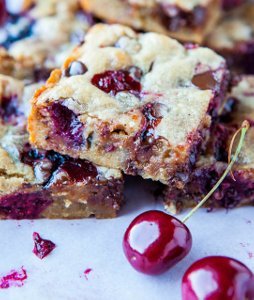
<point>155,241</point>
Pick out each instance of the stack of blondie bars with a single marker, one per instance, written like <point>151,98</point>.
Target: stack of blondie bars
<point>147,100</point>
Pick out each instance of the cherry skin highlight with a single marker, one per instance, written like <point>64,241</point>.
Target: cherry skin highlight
<point>218,278</point>
<point>155,241</point>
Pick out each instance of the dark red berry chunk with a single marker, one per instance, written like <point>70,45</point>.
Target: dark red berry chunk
<point>218,277</point>
<point>113,82</point>
<point>9,108</point>
<point>155,241</point>
<point>15,278</point>
<point>42,248</point>
<point>79,170</point>
<point>66,124</point>
<point>75,68</point>
<point>24,205</point>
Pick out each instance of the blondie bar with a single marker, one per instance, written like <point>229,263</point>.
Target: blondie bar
<point>44,184</point>
<point>239,107</point>
<point>184,20</point>
<point>38,34</point>
<point>234,38</point>
<point>142,103</point>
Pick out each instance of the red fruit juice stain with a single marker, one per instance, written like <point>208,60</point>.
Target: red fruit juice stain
<point>87,272</point>
<point>14,279</point>
<point>42,248</point>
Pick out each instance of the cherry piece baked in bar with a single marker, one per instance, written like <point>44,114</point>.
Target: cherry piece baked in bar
<point>184,20</point>
<point>238,107</point>
<point>230,4</point>
<point>233,38</point>
<point>44,184</point>
<point>142,103</point>
<point>38,34</point>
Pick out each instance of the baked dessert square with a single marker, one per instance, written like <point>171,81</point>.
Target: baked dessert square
<point>36,183</point>
<point>233,38</point>
<point>141,103</point>
<point>238,107</point>
<point>38,34</point>
<point>180,19</point>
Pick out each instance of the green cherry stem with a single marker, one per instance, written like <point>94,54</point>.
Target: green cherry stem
<point>243,129</point>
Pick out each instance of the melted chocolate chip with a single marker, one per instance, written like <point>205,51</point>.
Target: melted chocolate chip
<point>113,82</point>
<point>204,81</point>
<point>79,170</point>
<point>152,117</point>
<point>136,73</point>
<point>173,18</point>
<point>75,68</point>
<point>29,156</point>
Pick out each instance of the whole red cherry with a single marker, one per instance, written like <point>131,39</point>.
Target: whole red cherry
<point>218,278</point>
<point>155,241</point>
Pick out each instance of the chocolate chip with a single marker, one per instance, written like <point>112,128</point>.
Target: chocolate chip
<point>75,68</point>
<point>135,72</point>
<point>205,81</point>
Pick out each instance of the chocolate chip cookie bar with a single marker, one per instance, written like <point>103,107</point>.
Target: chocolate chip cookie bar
<point>180,19</point>
<point>234,38</point>
<point>36,183</point>
<point>38,34</point>
<point>238,107</point>
<point>141,103</point>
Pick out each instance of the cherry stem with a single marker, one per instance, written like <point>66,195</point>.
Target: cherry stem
<point>244,128</point>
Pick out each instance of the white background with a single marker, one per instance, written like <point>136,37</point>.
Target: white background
<point>97,244</point>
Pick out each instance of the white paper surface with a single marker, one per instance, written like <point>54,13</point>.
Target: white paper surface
<point>97,244</point>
